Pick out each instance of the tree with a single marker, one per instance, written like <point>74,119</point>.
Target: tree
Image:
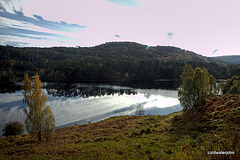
<point>49,123</point>
<point>235,88</point>
<point>187,72</point>
<point>232,85</point>
<point>13,129</point>
<point>139,111</point>
<point>213,86</point>
<point>186,94</point>
<point>195,87</point>
<point>40,119</point>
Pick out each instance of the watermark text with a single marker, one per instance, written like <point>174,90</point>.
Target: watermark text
<point>221,152</point>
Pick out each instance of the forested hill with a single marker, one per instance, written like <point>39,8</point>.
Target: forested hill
<point>234,59</point>
<point>109,61</point>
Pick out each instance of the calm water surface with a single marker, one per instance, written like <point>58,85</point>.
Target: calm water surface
<point>79,103</point>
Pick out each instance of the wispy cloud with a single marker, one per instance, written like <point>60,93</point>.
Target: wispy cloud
<point>15,24</point>
<point>10,5</point>
<point>39,21</point>
<point>131,3</point>
<point>116,35</point>
<point>170,35</point>
<point>214,51</point>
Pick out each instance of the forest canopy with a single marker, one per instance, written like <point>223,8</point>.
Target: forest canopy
<point>109,61</point>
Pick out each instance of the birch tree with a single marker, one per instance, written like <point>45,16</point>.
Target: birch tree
<point>40,120</point>
<point>196,85</point>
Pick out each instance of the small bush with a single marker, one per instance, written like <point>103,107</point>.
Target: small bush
<point>139,111</point>
<point>176,118</point>
<point>13,129</point>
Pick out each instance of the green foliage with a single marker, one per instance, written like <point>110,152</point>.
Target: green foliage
<point>232,85</point>
<point>235,89</point>
<point>7,76</point>
<point>110,61</point>
<point>13,129</point>
<point>195,87</point>
<point>40,119</point>
<point>213,86</point>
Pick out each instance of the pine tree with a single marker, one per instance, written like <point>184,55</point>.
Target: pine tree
<point>39,116</point>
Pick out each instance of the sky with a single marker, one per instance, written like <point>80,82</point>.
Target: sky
<point>207,27</point>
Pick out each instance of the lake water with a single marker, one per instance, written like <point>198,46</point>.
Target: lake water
<point>79,103</point>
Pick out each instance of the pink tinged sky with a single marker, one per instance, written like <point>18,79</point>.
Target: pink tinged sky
<point>207,27</point>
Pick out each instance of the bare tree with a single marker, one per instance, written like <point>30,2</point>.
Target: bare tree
<point>139,111</point>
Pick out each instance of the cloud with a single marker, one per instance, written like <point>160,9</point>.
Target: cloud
<point>38,17</point>
<point>116,35</point>
<point>131,3</point>
<point>16,24</point>
<point>16,43</point>
<point>12,30</point>
<point>10,5</point>
<point>170,35</point>
<point>214,51</point>
<point>39,21</point>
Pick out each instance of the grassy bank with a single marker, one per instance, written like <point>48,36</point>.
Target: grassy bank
<point>182,135</point>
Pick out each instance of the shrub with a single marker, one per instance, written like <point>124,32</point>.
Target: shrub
<point>13,129</point>
<point>139,111</point>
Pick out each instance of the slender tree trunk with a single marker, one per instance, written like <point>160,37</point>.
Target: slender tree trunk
<point>39,135</point>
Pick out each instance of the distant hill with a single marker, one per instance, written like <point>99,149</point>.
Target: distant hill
<point>109,61</point>
<point>234,59</point>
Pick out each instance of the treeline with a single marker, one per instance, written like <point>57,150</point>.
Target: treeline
<point>232,85</point>
<point>197,84</point>
<point>110,61</point>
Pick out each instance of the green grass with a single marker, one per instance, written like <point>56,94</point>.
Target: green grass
<point>181,135</point>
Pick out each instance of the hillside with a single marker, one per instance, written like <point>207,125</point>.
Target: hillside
<point>181,135</point>
<point>234,59</point>
<point>110,61</point>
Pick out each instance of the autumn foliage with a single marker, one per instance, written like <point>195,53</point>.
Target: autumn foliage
<point>40,120</point>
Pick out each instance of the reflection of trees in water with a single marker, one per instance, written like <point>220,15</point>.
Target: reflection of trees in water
<point>71,89</point>
<point>162,84</point>
<point>9,88</point>
<point>88,92</point>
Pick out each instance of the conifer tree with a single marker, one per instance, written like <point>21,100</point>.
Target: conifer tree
<point>39,116</point>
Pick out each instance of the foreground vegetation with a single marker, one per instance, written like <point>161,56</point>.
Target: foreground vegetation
<point>182,135</point>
